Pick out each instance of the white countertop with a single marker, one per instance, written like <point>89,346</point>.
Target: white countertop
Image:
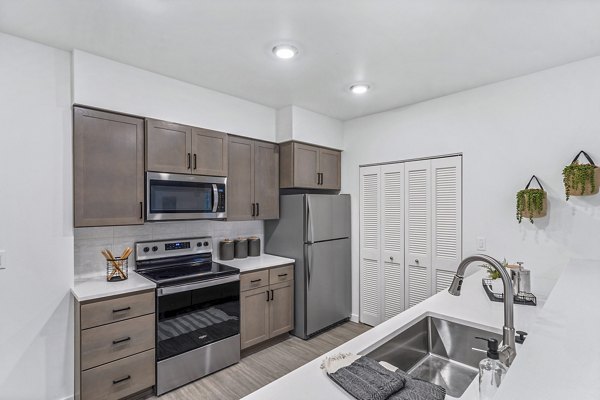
<point>254,263</point>
<point>561,356</point>
<point>98,287</point>
<point>471,308</point>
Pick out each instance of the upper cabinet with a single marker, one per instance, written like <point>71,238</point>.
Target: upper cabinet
<point>182,149</point>
<point>309,167</point>
<point>108,161</point>
<point>253,180</point>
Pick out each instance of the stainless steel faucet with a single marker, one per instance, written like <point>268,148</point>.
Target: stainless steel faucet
<point>508,351</point>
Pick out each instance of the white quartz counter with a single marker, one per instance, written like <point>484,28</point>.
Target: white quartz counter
<point>471,308</point>
<point>561,356</point>
<point>97,287</point>
<point>255,263</point>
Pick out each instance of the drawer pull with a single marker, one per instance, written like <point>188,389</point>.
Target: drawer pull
<point>117,341</point>
<point>121,309</point>
<point>121,379</point>
<point>282,275</point>
<point>256,280</point>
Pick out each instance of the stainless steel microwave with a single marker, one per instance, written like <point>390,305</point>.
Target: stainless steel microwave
<point>178,196</point>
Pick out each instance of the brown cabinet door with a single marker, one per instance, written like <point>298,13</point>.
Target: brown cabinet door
<point>330,169</point>
<point>209,152</point>
<point>254,316</point>
<point>266,180</point>
<point>240,182</point>
<point>281,308</point>
<point>306,166</point>
<point>108,176</point>
<point>168,147</point>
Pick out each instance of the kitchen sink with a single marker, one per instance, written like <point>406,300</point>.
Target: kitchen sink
<point>438,351</point>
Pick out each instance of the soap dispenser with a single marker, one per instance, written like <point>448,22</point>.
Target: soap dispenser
<point>491,371</point>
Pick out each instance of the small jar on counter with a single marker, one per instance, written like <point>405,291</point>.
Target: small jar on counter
<point>241,248</point>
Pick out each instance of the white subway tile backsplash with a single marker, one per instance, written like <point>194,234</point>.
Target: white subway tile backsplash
<point>89,242</point>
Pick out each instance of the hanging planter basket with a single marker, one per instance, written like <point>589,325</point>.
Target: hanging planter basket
<point>581,179</point>
<point>532,203</point>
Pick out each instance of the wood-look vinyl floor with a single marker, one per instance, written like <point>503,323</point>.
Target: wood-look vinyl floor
<point>264,366</point>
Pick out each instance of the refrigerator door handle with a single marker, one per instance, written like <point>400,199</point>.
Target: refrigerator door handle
<point>308,261</point>
<point>309,225</point>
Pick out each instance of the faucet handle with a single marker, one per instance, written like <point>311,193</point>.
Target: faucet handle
<point>521,338</point>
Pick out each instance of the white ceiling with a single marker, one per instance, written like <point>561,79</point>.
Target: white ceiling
<point>409,51</point>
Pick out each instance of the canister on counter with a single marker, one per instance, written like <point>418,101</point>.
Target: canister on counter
<point>241,248</point>
<point>226,249</point>
<point>253,246</point>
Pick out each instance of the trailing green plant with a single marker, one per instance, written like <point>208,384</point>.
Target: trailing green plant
<point>493,273</point>
<point>576,176</point>
<point>531,200</point>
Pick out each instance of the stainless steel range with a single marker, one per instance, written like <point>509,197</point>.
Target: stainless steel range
<point>197,309</point>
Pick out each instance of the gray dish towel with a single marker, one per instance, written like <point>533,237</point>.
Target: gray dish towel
<point>366,379</point>
<point>417,389</point>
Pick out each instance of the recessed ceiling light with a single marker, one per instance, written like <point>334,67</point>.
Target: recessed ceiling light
<point>285,51</point>
<point>360,88</point>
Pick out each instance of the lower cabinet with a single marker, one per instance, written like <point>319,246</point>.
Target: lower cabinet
<point>114,346</point>
<point>267,304</point>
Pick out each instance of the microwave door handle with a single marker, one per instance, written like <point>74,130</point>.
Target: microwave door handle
<point>215,198</point>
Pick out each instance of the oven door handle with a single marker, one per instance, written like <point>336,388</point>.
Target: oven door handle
<point>164,291</point>
<point>215,198</point>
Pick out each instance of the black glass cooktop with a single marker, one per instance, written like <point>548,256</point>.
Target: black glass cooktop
<point>177,274</point>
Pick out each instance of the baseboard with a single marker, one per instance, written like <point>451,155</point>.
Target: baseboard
<point>68,398</point>
<point>354,318</point>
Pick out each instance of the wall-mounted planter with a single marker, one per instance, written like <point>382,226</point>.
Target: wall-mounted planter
<point>532,203</point>
<point>581,179</point>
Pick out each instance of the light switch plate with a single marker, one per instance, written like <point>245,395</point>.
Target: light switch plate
<point>481,243</point>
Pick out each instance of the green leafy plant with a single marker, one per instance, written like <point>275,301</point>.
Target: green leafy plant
<point>493,273</point>
<point>530,200</point>
<point>576,176</point>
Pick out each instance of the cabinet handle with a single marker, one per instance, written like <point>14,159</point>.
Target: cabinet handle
<point>271,294</point>
<point>189,160</point>
<point>117,341</point>
<point>267,295</point>
<point>318,178</point>
<point>121,380</point>
<point>254,209</point>
<point>256,280</point>
<point>195,162</point>
<point>141,210</point>
<point>257,209</point>
<point>282,275</point>
<point>117,310</point>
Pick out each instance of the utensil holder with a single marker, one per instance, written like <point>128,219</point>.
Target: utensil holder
<point>117,269</point>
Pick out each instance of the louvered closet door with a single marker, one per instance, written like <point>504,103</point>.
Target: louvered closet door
<point>370,278</point>
<point>392,238</point>
<point>418,231</point>
<point>446,220</point>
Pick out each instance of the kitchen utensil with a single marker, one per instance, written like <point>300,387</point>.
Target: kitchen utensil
<point>241,248</point>
<point>226,249</point>
<point>253,246</point>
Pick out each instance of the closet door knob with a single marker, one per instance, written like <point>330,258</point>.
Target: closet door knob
<point>391,258</point>
<point>416,260</point>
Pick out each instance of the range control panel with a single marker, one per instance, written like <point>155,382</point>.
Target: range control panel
<point>173,247</point>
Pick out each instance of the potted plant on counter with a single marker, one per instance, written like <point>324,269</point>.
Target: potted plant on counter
<point>531,203</point>
<point>581,179</point>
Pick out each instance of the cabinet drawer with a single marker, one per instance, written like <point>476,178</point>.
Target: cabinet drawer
<point>120,378</point>
<point>110,342</point>
<point>253,280</point>
<point>107,311</point>
<point>281,274</point>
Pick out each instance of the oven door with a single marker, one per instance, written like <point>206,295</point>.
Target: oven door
<point>177,196</point>
<point>195,315</point>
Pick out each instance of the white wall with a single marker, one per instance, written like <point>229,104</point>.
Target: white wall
<point>36,328</point>
<point>296,123</point>
<point>104,83</point>
<point>506,132</point>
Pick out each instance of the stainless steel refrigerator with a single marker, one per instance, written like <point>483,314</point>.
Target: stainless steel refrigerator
<point>314,230</point>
